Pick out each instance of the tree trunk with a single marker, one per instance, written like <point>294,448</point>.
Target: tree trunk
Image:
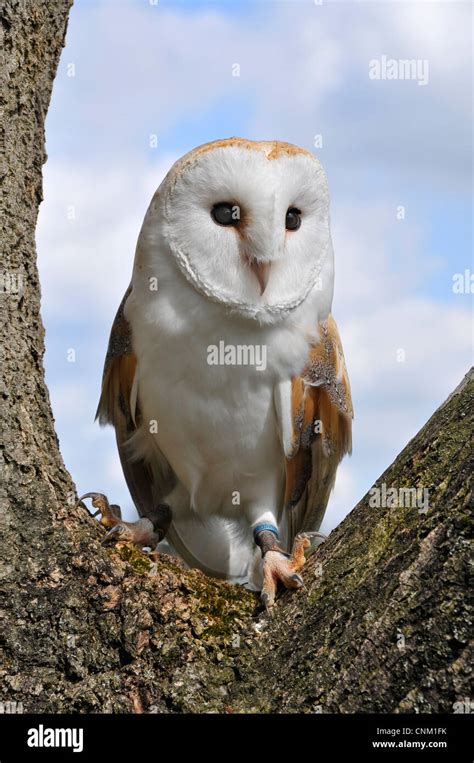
<point>381,624</point>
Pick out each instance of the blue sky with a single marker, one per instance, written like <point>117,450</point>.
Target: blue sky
<point>141,70</point>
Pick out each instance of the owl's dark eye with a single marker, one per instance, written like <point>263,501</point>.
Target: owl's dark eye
<point>293,219</point>
<point>225,213</point>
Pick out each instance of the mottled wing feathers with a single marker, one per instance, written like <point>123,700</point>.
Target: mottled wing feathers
<point>321,411</point>
<point>119,371</point>
<point>117,406</point>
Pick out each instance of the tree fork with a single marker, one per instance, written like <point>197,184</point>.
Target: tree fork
<point>382,622</point>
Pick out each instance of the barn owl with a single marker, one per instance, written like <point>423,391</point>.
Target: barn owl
<point>225,377</point>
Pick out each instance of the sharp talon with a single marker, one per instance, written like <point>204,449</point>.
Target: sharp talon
<point>94,496</point>
<point>110,514</point>
<point>80,502</point>
<point>314,535</point>
<point>297,579</point>
<point>278,568</point>
<point>267,600</point>
<point>147,531</point>
<point>113,534</point>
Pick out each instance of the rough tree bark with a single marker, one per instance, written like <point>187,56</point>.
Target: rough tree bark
<point>382,622</point>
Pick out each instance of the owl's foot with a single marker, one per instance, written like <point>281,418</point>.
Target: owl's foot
<point>279,566</point>
<point>146,532</point>
<point>110,514</point>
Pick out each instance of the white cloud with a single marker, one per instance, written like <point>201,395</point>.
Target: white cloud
<point>86,262</point>
<point>304,70</point>
<point>436,341</point>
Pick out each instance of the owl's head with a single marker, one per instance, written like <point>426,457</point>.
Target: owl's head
<point>247,223</point>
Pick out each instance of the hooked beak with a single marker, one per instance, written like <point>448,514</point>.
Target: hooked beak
<point>262,271</point>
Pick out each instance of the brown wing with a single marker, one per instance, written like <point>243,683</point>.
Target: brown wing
<point>118,407</point>
<point>321,411</point>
